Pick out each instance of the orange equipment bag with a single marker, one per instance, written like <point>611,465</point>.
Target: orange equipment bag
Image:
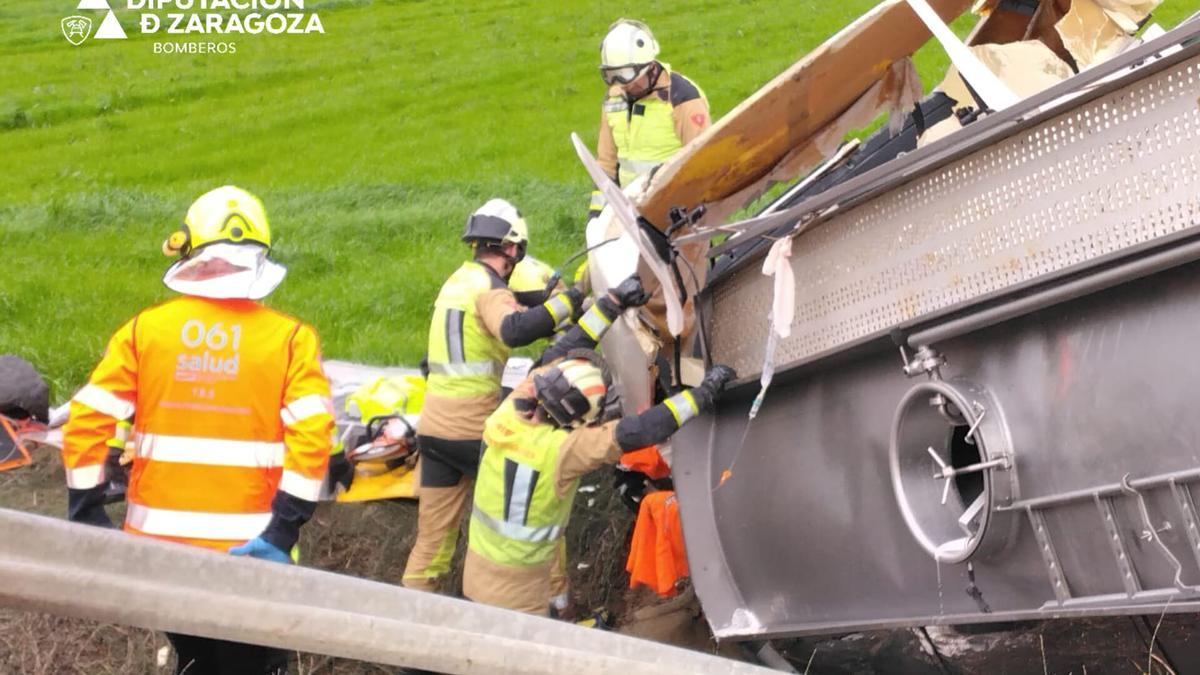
<point>646,460</point>
<point>657,557</point>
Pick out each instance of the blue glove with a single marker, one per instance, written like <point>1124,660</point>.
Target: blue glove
<point>263,549</point>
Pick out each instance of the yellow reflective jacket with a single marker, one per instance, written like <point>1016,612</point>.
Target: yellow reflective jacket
<point>636,136</point>
<point>465,360</point>
<point>518,515</point>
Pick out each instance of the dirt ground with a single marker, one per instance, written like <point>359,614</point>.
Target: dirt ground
<point>370,540</point>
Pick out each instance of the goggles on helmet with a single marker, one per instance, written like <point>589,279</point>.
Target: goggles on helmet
<point>621,74</point>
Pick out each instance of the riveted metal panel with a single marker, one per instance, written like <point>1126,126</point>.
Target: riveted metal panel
<point>1120,171</point>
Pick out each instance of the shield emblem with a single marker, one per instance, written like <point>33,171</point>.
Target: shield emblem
<point>76,29</point>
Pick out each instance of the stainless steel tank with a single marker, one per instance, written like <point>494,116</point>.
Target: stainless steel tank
<point>987,407</point>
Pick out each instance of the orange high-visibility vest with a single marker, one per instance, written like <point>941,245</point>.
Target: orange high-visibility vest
<point>229,405</point>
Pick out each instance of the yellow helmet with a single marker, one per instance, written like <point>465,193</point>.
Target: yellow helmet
<point>227,214</point>
<point>530,274</point>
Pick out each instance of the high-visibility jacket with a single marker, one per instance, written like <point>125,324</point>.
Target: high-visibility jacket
<point>519,515</point>
<point>636,136</point>
<point>465,360</point>
<point>231,405</point>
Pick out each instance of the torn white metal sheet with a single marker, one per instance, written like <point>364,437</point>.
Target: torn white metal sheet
<point>1091,35</point>
<point>989,87</point>
<point>629,355</point>
<point>1128,15</point>
<point>627,215</point>
<point>781,118</point>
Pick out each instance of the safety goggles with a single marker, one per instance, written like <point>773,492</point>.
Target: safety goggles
<point>621,74</point>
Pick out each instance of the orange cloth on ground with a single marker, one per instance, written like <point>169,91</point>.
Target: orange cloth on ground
<point>648,461</point>
<point>657,557</point>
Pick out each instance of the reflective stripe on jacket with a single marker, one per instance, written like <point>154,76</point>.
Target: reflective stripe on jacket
<point>464,358</point>
<point>230,405</point>
<point>518,515</point>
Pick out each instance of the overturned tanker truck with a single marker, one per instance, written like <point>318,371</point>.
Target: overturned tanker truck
<point>966,346</point>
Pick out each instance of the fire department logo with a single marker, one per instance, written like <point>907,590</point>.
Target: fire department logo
<point>76,29</point>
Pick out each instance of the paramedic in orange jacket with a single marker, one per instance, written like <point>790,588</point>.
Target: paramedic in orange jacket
<point>233,423</point>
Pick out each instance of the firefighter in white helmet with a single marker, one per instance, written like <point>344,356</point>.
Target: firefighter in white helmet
<point>476,323</point>
<point>649,111</point>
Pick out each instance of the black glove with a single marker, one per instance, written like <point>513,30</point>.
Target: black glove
<point>629,293</point>
<point>116,477</point>
<point>340,472</point>
<point>710,388</point>
<point>87,506</point>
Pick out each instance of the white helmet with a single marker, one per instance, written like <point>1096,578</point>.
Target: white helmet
<point>497,220</point>
<point>627,49</point>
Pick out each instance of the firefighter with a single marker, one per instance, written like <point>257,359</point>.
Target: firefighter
<point>476,323</point>
<point>649,111</point>
<point>537,446</point>
<point>233,423</point>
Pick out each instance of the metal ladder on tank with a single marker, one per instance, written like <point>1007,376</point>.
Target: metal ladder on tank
<point>1104,497</point>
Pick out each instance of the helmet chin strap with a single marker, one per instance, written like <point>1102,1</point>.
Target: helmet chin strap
<point>512,259</point>
<point>498,251</point>
<point>539,413</point>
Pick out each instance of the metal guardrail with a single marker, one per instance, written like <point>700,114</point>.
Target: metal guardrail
<point>63,568</point>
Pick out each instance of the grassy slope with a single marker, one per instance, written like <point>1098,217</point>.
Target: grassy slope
<point>369,145</point>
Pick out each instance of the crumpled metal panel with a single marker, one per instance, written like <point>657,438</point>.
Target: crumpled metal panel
<point>1117,172</point>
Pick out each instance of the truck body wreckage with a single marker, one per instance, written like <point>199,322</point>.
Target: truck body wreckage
<point>965,346</point>
<point>970,365</point>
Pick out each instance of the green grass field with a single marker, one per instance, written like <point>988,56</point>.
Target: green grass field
<point>369,144</point>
